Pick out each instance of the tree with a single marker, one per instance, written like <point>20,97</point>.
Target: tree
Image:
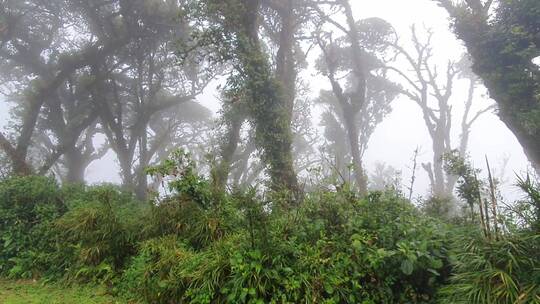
<point>240,161</point>
<point>36,59</point>
<point>360,104</point>
<point>116,75</point>
<point>79,153</point>
<point>231,29</point>
<point>385,176</point>
<point>502,41</point>
<point>423,86</point>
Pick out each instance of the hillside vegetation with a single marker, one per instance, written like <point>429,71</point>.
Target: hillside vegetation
<point>202,245</point>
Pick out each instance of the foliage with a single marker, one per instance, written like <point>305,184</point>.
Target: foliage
<point>502,41</point>
<point>199,244</point>
<point>185,182</point>
<point>468,186</point>
<point>529,208</point>
<point>48,231</point>
<point>228,33</point>
<point>98,233</point>
<point>494,268</point>
<point>194,209</point>
<point>503,271</point>
<point>439,207</point>
<point>28,207</point>
<point>333,248</point>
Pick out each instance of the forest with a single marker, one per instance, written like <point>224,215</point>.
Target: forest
<point>270,151</point>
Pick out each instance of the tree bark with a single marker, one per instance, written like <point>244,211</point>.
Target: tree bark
<point>352,132</point>
<point>227,151</point>
<point>141,190</point>
<point>76,166</point>
<point>267,106</point>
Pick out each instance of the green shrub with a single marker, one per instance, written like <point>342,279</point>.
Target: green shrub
<point>182,217</point>
<point>99,233</point>
<point>210,247</point>
<point>334,248</point>
<point>503,271</point>
<point>194,210</point>
<point>443,208</point>
<point>381,249</point>
<point>28,206</point>
<point>167,271</point>
<point>201,245</point>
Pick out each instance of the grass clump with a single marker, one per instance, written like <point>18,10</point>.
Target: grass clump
<point>30,292</point>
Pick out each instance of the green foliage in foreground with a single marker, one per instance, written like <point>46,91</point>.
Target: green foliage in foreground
<point>333,249</point>
<point>201,245</point>
<point>28,207</point>
<point>28,292</point>
<point>503,271</point>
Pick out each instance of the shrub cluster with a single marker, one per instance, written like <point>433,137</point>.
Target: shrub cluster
<point>73,231</point>
<point>28,208</point>
<point>202,245</point>
<point>332,249</point>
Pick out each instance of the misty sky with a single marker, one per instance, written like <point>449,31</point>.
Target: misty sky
<point>403,130</point>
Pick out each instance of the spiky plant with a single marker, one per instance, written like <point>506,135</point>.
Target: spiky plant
<point>505,271</point>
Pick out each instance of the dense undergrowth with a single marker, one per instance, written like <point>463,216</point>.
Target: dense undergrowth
<point>201,245</point>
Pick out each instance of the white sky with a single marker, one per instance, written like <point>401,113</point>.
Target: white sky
<point>403,130</point>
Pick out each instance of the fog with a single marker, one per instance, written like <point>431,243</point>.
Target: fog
<point>396,137</point>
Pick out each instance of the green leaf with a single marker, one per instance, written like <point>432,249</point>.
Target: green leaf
<point>407,267</point>
<point>436,264</point>
<point>357,244</point>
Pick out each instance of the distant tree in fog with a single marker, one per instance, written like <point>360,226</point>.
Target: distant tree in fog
<point>76,69</point>
<point>361,94</point>
<point>433,90</point>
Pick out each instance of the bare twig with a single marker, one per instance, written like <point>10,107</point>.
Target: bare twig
<point>413,177</point>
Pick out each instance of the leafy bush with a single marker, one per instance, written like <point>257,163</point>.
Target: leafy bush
<point>99,233</point>
<point>439,207</point>
<point>167,271</point>
<point>334,248</point>
<point>503,271</point>
<point>28,207</point>
<point>180,216</point>
<point>194,211</point>
<point>380,243</point>
<point>503,268</point>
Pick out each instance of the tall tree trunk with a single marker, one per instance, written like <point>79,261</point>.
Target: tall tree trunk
<point>352,132</point>
<point>351,102</point>
<point>439,149</point>
<point>529,141</point>
<point>285,61</point>
<point>227,151</point>
<point>358,98</point>
<point>126,170</point>
<point>76,166</point>
<point>141,190</point>
<point>267,106</point>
